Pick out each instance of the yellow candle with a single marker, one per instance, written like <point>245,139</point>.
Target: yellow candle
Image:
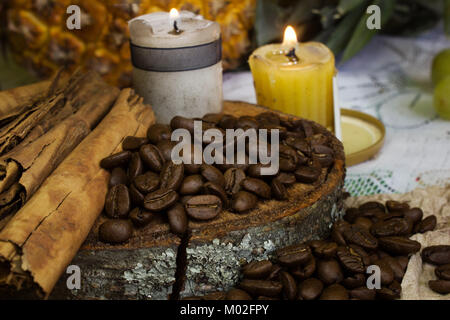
<point>295,78</point>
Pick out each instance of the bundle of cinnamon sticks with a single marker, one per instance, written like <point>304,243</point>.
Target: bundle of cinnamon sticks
<point>52,138</point>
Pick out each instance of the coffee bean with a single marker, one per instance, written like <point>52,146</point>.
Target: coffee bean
<point>135,167</point>
<point>306,270</point>
<point>361,252</point>
<point>227,122</point>
<point>399,245</point>
<point>413,214</point>
<point>310,289</point>
<point>212,174</point>
<point>152,157</point>
<point>427,224</point>
<point>185,199</point>
<point>160,200</point>
<point>386,272</point>
<point>286,178</point>
<point>329,271</point>
<point>364,222</point>
<point>118,176</point>
<point>351,214</point>
<point>147,182</point>
<point>261,287</point>
<point>363,293</point>
<point>212,118</point>
<point>116,160</point>
<point>396,267</point>
<point>393,206</point>
<point>204,207</point>
<point>403,262</point>
<point>136,197</point>
<point>391,227</point>
<point>165,147</point>
<point>354,281</point>
<point>257,269</point>
<point>191,185</point>
<point>159,132</point>
<point>237,294</point>
<point>254,171</point>
<point>178,220</point>
<point>117,203</point>
<point>278,190</point>
<point>133,143</point>
<point>233,178</point>
<point>141,218</point>
<point>337,231</point>
<point>372,205</point>
<point>179,122</point>
<point>334,292</point>
<point>323,249</point>
<point>391,292</point>
<point>294,255</point>
<point>289,285</point>
<point>298,144</point>
<point>360,236</point>
<point>115,231</point>
<point>440,286</point>
<point>288,158</point>
<point>438,255</point>
<point>243,201</point>
<point>256,186</point>
<point>350,260</point>
<point>269,117</point>
<point>171,176</point>
<point>215,189</point>
<point>246,122</point>
<point>307,174</point>
<point>443,272</point>
<point>325,160</point>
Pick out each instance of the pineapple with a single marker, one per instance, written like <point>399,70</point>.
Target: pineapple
<point>37,35</point>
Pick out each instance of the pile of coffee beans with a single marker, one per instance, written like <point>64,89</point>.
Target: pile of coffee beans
<point>375,234</point>
<point>146,182</point>
<point>440,257</point>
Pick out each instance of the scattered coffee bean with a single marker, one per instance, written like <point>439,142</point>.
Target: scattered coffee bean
<point>147,182</point>
<point>205,207</point>
<point>261,287</point>
<point>307,174</point>
<point>329,271</point>
<point>115,231</point>
<point>133,143</point>
<point>440,286</point>
<point>437,255</point>
<point>310,289</point>
<point>159,132</point>
<point>191,185</point>
<point>334,292</point>
<point>152,157</point>
<point>399,245</point>
<point>160,200</point>
<point>443,272</point>
<point>427,224</point>
<point>257,186</point>
<point>117,203</point>
<point>178,221</point>
<point>257,269</point>
<point>118,176</point>
<point>116,160</point>
<point>237,294</point>
<point>243,201</point>
<point>140,217</point>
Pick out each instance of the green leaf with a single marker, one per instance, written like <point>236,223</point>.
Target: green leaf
<point>447,17</point>
<point>346,6</point>
<point>268,16</point>
<point>362,35</point>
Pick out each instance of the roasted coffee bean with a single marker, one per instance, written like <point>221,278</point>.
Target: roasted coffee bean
<point>115,231</point>
<point>237,294</point>
<point>364,222</point>
<point>361,252</point>
<point>147,182</point>
<point>310,289</point>
<point>289,285</point>
<point>158,132</point>
<point>179,122</point>
<point>391,227</point>
<point>351,214</point>
<point>393,206</point>
<point>257,269</point>
<point>136,167</point>
<point>171,176</point>
<point>191,185</point>
<point>403,262</point>
<point>322,149</point>
<point>136,197</point>
<point>233,178</point>
<point>334,292</point>
<point>165,147</point>
<point>306,270</point>
<point>256,186</point>
<point>363,293</point>
<point>227,122</point>
<point>288,158</point>
<point>261,287</point>
<point>360,236</point>
<point>269,117</point>
<point>213,118</point>
<point>443,272</point>
<point>294,255</point>
<point>274,272</point>
<point>298,144</point>
<point>399,245</point>
<point>427,224</point>
<point>117,203</point>
<point>215,189</point>
<point>386,272</point>
<point>118,176</point>
<point>160,200</point>
<point>212,174</point>
<point>325,160</point>
<point>254,171</point>
<point>141,218</point>
<point>204,207</point>
<point>152,157</point>
<point>354,281</point>
<point>351,260</point>
<point>116,160</point>
<point>307,174</point>
<point>178,220</point>
<point>246,122</point>
<point>438,255</point>
<point>396,267</point>
<point>414,215</point>
<point>337,231</point>
<point>329,271</point>
<point>278,190</point>
<point>391,292</point>
<point>286,178</point>
<point>440,286</point>
<point>372,205</point>
<point>185,199</point>
<point>243,201</point>
<point>133,143</point>
<point>323,249</point>
<point>374,214</point>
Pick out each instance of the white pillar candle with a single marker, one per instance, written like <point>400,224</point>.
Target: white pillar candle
<point>178,70</point>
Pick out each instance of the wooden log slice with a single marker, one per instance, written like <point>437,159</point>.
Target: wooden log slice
<point>144,267</point>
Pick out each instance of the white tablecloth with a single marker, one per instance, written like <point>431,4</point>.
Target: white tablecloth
<point>389,79</point>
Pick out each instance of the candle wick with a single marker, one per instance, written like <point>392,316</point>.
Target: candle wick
<point>175,26</point>
<point>292,56</point>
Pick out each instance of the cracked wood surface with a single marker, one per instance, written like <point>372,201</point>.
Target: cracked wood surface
<point>41,239</point>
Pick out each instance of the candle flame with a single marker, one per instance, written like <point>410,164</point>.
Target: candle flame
<point>290,37</point>
<point>174,14</point>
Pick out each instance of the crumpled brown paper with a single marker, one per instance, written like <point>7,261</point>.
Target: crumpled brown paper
<point>432,200</point>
